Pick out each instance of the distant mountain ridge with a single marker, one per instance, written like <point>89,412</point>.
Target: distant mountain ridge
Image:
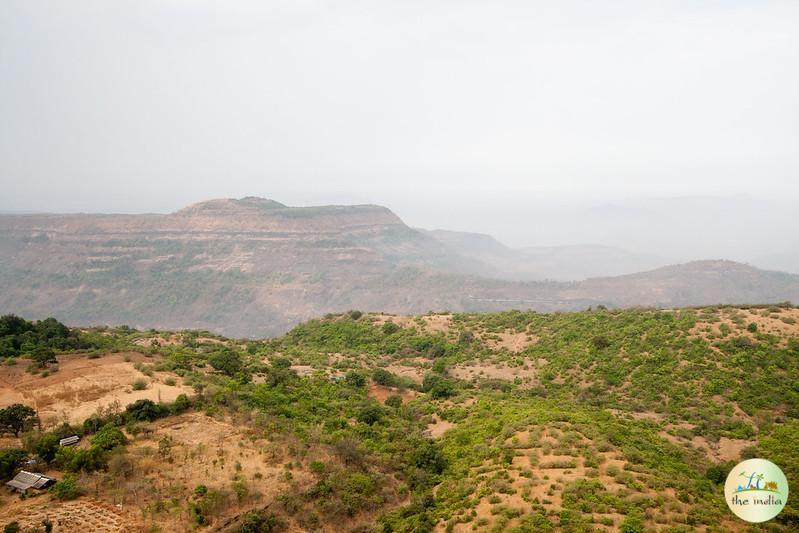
<point>253,266</point>
<point>537,263</point>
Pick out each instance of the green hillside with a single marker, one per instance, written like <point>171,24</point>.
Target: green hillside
<point>599,420</point>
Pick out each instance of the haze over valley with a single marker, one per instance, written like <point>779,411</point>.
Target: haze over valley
<point>254,267</point>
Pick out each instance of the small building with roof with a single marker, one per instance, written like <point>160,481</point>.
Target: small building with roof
<point>29,480</point>
<point>69,441</point>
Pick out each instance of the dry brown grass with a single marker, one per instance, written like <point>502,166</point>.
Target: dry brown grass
<point>81,386</point>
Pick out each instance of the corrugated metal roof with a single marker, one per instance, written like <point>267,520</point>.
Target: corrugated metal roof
<point>69,441</point>
<point>29,480</point>
<point>14,484</point>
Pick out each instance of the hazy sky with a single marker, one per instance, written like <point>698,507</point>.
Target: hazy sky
<point>498,107</point>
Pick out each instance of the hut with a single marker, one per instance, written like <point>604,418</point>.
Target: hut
<point>29,480</point>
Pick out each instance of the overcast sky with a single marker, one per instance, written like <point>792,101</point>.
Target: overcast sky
<point>458,114</point>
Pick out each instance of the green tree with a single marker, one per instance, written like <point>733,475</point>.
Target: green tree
<point>85,459</point>
<point>437,386</point>
<point>16,418</point>
<point>43,355</point>
<point>10,459</point>
<point>427,456</point>
<point>227,361</point>
<point>47,446</point>
<point>108,438</point>
<point>144,410</point>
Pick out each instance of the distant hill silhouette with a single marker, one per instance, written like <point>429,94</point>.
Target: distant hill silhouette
<point>255,267</point>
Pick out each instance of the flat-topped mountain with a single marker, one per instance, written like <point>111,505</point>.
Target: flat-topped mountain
<point>255,267</point>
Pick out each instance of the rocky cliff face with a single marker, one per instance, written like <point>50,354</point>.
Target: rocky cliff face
<point>255,267</point>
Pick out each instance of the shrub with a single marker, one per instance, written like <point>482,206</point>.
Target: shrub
<point>355,379</point>
<point>632,523</point>
<point>355,315</point>
<point>241,490</point>
<point>259,522</point>
<point>139,384</point>
<point>465,337</point>
<point>600,342</point>
<point>11,527</point>
<point>120,465</point>
<point>349,451</point>
<point>181,403</point>
<point>370,414</point>
<point>390,328</point>
<point>281,362</point>
<point>751,327</point>
<point>718,473</point>
<point>93,424</point>
<point>66,489</point>
<point>437,386</point>
<point>384,377</point>
<point>394,400</point>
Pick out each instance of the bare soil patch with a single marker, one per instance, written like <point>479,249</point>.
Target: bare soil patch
<point>784,324</point>
<point>438,427</point>
<point>380,393</point>
<point>494,371</point>
<point>412,372</point>
<point>425,323</point>
<point>724,450</point>
<point>81,386</point>
<point>512,341</point>
<point>159,340</point>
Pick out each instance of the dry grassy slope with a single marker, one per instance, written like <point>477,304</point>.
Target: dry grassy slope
<point>253,267</point>
<point>81,386</point>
